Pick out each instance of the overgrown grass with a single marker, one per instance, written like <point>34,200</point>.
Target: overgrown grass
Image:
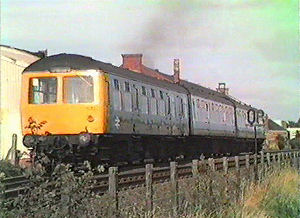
<point>211,195</point>
<point>277,196</point>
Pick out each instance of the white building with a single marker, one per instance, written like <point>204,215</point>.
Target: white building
<point>13,62</point>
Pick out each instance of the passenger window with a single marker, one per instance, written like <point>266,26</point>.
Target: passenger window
<point>153,106</point>
<point>181,107</point>
<point>143,101</point>
<point>172,106</point>
<point>152,93</point>
<point>161,94</point>
<point>135,99</point>
<point>116,84</point>
<point>143,90</point>
<point>127,101</point>
<point>161,107</point>
<point>194,110</point>
<point>169,105</point>
<point>127,87</point>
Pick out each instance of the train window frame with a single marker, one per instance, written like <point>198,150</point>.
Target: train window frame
<point>198,103</point>
<point>144,91</point>
<point>181,107</point>
<point>126,86</point>
<point>168,105</point>
<point>194,110</point>
<point>152,93</point>
<point>126,98</point>
<point>116,84</point>
<point>135,98</point>
<point>161,94</point>
<point>31,91</point>
<point>206,107</point>
<point>161,107</point>
<point>84,78</point>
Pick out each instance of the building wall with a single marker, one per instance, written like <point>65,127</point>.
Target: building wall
<point>293,131</point>
<point>13,62</point>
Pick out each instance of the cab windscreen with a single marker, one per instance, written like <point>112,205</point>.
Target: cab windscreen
<point>43,90</point>
<point>79,89</point>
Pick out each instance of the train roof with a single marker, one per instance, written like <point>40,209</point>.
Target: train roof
<point>201,91</point>
<point>79,62</point>
<point>207,93</point>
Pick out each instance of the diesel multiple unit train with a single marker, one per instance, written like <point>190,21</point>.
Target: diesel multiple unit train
<point>75,108</point>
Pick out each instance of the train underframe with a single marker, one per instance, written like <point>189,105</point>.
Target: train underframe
<point>133,149</point>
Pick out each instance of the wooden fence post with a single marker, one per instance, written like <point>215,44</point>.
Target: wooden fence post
<point>211,163</point>
<point>113,188</point>
<point>225,168</point>
<point>262,164</point>
<point>285,159</point>
<point>248,166</point>
<point>274,158</point>
<point>238,178</point>
<point>202,164</point>
<point>237,164</point>
<point>294,160</point>
<point>195,169</point>
<point>212,168</point>
<point>174,185</point>
<point>247,162</point>
<point>255,168</point>
<point>269,159</point>
<point>282,161</point>
<point>282,157</point>
<point>298,158</point>
<point>225,165</point>
<point>149,189</point>
<point>278,159</point>
<point>14,155</point>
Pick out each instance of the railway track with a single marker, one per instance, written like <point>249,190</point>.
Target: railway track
<point>132,178</point>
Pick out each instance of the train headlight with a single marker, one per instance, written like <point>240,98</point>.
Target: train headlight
<point>90,118</point>
<point>84,139</point>
<point>29,141</point>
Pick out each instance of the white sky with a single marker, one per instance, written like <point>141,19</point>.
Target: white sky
<point>250,45</point>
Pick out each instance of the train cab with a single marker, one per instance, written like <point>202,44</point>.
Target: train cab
<point>53,101</point>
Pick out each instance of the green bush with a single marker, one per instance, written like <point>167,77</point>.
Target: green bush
<point>8,170</point>
<point>62,195</point>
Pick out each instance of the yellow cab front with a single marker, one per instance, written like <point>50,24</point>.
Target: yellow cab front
<point>63,103</point>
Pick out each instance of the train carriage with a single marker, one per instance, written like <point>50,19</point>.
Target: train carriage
<point>74,104</point>
<point>75,108</point>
